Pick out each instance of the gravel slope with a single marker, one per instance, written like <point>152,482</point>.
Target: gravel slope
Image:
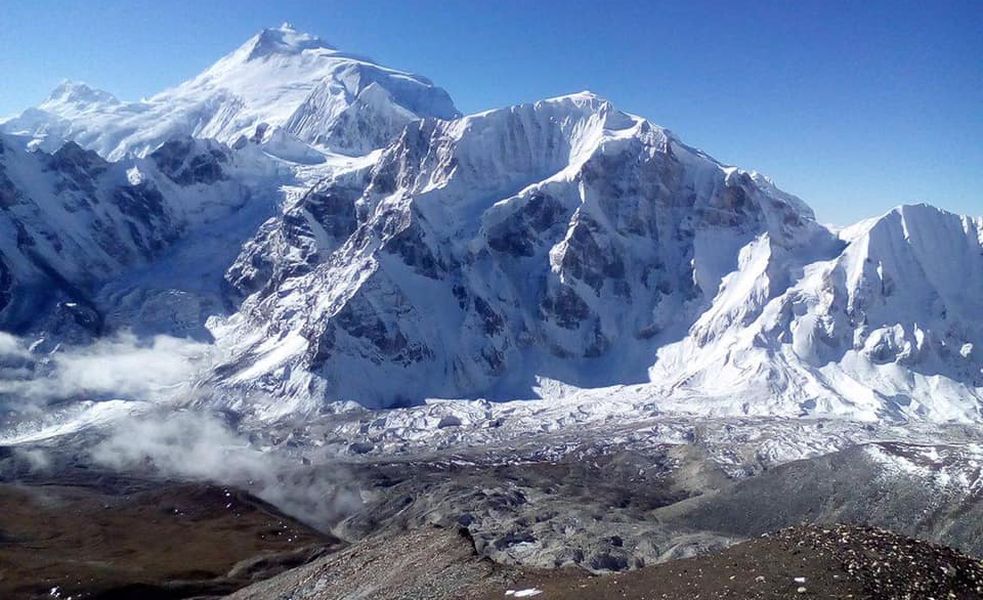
<point>838,561</point>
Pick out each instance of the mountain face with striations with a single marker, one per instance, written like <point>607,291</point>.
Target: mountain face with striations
<point>338,232</point>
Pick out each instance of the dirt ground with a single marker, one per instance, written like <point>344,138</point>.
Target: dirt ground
<point>801,562</point>
<point>119,539</point>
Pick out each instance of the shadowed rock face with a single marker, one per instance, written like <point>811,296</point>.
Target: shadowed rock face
<point>6,283</point>
<point>77,169</point>
<point>187,161</point>
<point>71,221</point>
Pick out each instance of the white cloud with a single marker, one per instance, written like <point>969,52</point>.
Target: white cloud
<point>122,366</point>
<point>199,446</point>
<point>11,346</point>
<point>159,439</point>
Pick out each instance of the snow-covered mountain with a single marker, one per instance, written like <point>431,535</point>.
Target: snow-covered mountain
<point>544,248</point>
<point>291,206</point>
<point>553,239</point>
<point>888,327</point>
<point>280,78</point>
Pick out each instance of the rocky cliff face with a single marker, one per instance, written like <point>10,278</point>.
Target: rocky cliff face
<point>73,221</point>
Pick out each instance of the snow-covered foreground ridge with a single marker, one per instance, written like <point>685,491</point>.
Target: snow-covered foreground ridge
<point>336,232</point>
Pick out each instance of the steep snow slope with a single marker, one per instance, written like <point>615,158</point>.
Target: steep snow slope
<point>562,239</point>
<point>280,78</point>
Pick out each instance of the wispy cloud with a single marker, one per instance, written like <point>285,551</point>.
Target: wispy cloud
<point>122,366</point>
<point>160,436</point>
<point>192,445</point>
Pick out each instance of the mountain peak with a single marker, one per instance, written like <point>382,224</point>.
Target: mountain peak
<point>584,99</point>
<point>78,93</point>
<point>280,77</point>
<point>283,40</point>
<point>584,96</point>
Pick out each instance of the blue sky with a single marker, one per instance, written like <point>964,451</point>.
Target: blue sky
<point>854,106</point>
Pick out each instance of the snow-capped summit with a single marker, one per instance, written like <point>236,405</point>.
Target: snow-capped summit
<point>279,78</point>
<point>884,325</point>
<point>283,40</point>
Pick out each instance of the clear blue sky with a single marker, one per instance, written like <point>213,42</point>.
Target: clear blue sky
<point>854,106</point>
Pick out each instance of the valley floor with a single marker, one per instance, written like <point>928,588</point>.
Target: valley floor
<point>96,535</point>
<point>705,512</point>
<point>115,538</point>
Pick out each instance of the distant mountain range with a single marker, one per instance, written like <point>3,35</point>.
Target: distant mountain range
<point>339,232</point>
